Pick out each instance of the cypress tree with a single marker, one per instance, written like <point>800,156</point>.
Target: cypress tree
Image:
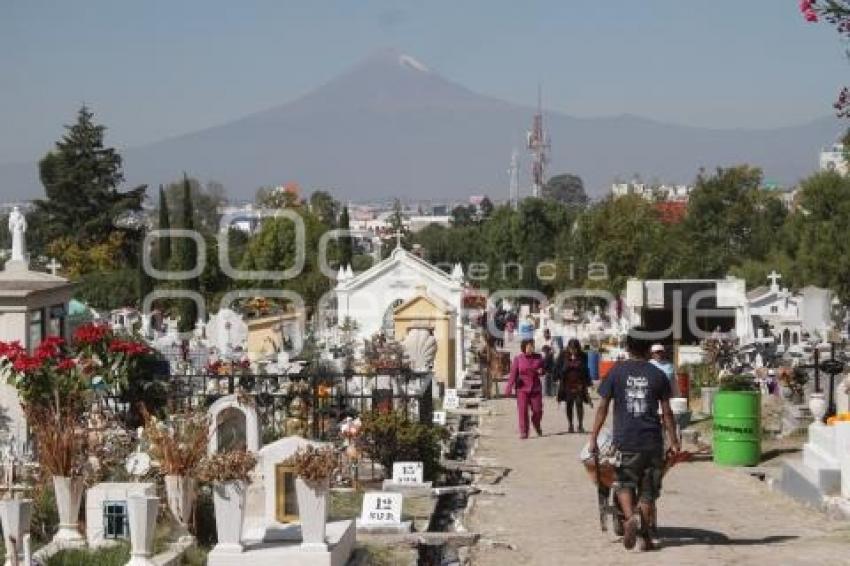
<point>188,259</point>
<point>164,224</point>
<point>346,244</point>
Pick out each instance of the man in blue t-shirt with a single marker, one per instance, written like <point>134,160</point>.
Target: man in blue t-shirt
<point>637,388</point>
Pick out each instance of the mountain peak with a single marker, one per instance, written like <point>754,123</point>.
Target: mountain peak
<point>392,57</point>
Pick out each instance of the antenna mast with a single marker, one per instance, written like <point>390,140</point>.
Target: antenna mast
<point>538,146</point>
<point>513,172</point>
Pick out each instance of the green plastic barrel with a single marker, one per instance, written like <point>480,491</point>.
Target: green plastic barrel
<point>737,428</point>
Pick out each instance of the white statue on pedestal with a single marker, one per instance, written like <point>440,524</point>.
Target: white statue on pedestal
<point>17,226</point>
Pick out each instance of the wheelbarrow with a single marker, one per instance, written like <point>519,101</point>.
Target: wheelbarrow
<point>602,471</point>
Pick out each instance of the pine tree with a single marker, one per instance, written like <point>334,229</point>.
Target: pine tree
<point>346,244</point>
<point>81,179</point>
<point>164,224</point>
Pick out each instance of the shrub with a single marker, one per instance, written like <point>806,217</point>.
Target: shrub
<point>738,382</point>
<point>391,437</point>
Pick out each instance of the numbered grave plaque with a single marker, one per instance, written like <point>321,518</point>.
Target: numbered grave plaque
<point>451,400</point>
<point>408,473</point>
<point>381,508</point>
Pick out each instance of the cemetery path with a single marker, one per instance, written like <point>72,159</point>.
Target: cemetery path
<point>707,515</point>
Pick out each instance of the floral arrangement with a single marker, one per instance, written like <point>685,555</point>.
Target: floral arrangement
<point>223,367</point>
<point>314,464</point>
<point>382,354</point>
<point>227,466</point>
<point>50,374</point>
<point>839,418</point>
<point>63,448</point>
<point>794,380</point>
<point>179,442</point>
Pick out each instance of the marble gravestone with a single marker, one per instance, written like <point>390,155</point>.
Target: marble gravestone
<point>407,476</point>
<point>233,426</point>
<point>382,513</point>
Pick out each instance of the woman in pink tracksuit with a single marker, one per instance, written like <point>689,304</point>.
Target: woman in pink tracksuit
<point>524,378</point>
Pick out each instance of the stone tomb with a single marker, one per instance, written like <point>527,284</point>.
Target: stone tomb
<point>233,426</point>
<point>277,540</point>
<point>823,473</point>
<point>106,510</point>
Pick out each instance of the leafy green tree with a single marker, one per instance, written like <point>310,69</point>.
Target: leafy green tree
<point>721,218</point>
<point>325,207</point>
<point>272,248</point>
<point>463,215</point>
<point>486,208</point>
<point>823,233</point>
<point>567,189</point>
<point>275,197</point>
<point>81,178</point>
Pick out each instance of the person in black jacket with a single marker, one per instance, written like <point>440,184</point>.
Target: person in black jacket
<point>574,379</point>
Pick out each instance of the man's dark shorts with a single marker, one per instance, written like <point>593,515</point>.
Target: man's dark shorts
<point>642,471</point>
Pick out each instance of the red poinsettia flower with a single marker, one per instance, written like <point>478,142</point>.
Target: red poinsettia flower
<point>27,364</point>
<point>66,364</point>
<point>91,333</point>
<point>128,347</point>
<point>11,350</point>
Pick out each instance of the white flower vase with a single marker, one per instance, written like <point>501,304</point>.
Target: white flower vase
<point>15,516</point>
<point>229,501</point>
<point>141,517</point>
<point>180,491</point>
<point>313,512</point>
<point>817,405</point>
<point>69,495</point>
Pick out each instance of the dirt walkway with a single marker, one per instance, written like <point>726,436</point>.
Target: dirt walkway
<point>707,515</point>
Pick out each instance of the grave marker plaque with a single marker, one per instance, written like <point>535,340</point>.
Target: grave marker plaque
<point>408,473</point>
<point>381,509</point>
<point>451,400</point>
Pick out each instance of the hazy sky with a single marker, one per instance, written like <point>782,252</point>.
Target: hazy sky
<point>155,68</point>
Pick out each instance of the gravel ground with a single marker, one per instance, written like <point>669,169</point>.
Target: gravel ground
<point>707,514</point>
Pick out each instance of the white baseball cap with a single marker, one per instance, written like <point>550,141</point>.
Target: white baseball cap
<point>656,348</point>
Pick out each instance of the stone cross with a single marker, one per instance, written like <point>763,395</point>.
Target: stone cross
<point>53,266</point>
<point>397,235</point>
<point>774,277</point>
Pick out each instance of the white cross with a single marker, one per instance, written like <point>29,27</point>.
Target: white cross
<point>774,277</point>
<point>53,266</point>
<point>397,235</point>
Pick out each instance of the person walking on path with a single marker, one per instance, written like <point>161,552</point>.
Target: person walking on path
<point>574,379</point>
<point>660,361</point>
<point>524,378</point>
<point>637,388</point>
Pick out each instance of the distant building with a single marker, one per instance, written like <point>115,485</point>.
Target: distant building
<point>832,159</point>
<point>671,211</point>
<point>654,193</point>
<point>417,223</point>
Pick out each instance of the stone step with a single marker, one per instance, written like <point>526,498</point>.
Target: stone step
<point>805,485</point>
